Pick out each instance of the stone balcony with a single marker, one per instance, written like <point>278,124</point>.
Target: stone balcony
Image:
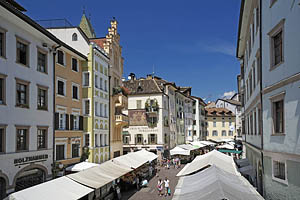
<point>122,120</point>
<point>120,97</point>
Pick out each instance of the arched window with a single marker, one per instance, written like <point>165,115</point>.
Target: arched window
<point>74,37</point>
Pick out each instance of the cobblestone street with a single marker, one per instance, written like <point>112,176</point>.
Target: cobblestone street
<point>150,192</point>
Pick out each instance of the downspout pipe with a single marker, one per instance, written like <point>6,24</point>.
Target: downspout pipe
<point>54,102</point>
<point>109,121</point>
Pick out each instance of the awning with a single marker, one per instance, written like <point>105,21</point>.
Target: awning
<point>248,170</point>
<point>101,175</point>
<point>61,188</point>
<point>179,151</point>
<point>188,147</point>
<point>214,183</point>
<point>207,143</point>
<point>212,158</point>
<point>225,146</point>
<point>151,156</point>
<point>230,151</point>
<point>242,162</point>
<point>198,144</point>
<point>81,166</point>
<point>132,160</point>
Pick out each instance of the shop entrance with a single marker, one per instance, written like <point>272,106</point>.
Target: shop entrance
<point>2,188</point>
<point>29,178</point>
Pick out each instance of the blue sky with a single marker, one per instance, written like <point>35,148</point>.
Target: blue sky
<point>189,42</point>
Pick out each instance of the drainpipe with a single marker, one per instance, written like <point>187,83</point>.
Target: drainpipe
<point>54,91</point>
<point>261,89</point>
<point>109,121</point>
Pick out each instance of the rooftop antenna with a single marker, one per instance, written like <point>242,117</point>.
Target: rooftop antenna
<point>153,70</point>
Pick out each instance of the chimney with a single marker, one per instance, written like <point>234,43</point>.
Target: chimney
<point>131,77</point>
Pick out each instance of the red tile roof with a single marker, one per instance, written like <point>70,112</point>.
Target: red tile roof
<point>218,112</point>
<point>99,41</point>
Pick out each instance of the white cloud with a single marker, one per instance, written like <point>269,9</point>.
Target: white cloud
<point>228,95</point>
<point>219,46</point>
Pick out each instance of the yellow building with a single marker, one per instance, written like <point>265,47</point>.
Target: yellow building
<point>68,107</point>
<point>118,95</point>
<point>220,124</point>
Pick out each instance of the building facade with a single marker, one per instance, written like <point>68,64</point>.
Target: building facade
<point>199,120</point>
<point>26,100</point>
<point>68,108</point>
<point>118,96</point>
<point>271,94</point>
<point>220,124</point>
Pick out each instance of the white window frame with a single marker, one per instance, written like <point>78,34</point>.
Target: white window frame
<point>65,85</point>
<point>64,65</point>
<point>277,97</point>
<point>79,153</point>
<point>76,113</point>
<point>65,149</point>
<point>83,79</point>
<point>285,169</point>
<point>77,85</point>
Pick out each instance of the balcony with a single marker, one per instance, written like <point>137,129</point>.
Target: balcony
<point>122,120</point>
<point>120,97</point>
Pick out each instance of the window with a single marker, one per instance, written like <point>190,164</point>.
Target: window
<point>255,129</point>
<point>194,122</point>
<point>2,139</point>
<point>75,122</point>
<point>105,85</point>
<point>254,82</point>
<point>279,170</point>
<point>105,140</point>
<point>257,18</point>
<point>41,138</point>
<point>139,139</point>
<point>223,133</point>
<point>75,92</point>
<point>101,83</point>
<point>215,133</point>
<point>138,104</point>
<point>223,123</point>
<point>278,116</point>
<point>42,98</point>
<point>74,64</point>
<point>87,140</point>
<point>96,109</point>
<point>61,88</point>
<point>276,44</point>
<point>87,107</point>
<point>214,124</point>
<point>22,52</point>
<point>75,150</point>
<point>60,57</point>
<point>230,123</point>
<point>2,42</point>
<point>101,110</point>
<point>152,139</point>
<point>2,89</point>
<point>74,37</point>
<point>250,83</point>
<point>126,139</point>
<point>60,152</point>
<point>62,121</point>
<point>41,61</point>
<point>105,110</point>
<point>258,68</point>
<point>22,138</point>
<point>96,140</point>
<point>22,97</point>
<point>86,79</point>
<point>230,133</point>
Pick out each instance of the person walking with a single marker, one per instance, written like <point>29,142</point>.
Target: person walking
<point>167,187</point>
<point>160,187</point>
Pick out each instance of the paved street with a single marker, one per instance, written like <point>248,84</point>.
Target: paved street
<point>150,193</point>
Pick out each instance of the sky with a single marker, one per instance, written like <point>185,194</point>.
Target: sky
<point>191,43</point>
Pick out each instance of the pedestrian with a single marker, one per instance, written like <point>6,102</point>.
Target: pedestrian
<point>159,187</point>
<point>167,186</point>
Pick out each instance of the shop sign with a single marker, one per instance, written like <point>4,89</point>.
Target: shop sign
<point>30,159</point>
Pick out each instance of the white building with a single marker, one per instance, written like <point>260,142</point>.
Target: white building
<point>26,100</point>
<point>268,47</point>
<point>148,112</point>
<point>199,120</point>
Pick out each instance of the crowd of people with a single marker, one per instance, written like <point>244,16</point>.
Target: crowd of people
<point>167,163</point>
<point>163,187</point>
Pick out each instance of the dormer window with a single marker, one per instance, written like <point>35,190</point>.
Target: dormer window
<point>74,37</point>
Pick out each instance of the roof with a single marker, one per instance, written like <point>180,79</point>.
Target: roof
<point>16,5</point>
<point>240,27</point>
<point>218,112</point>
<point>86,26</point>
<point>200,99</point>
<point>145,86</point>
<point>210,105</point>
<point>99,41</point>
<point>233,102</point>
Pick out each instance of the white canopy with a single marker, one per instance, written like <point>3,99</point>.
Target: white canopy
<point>188,147</point>
<point>101,175</point>
<point>212,158</point>
<point>223,140</point>
<point>151,156</point>
<point>214,183</point>
<point>198,144</point>
<point>179,151</point>
<point>81,166</point>
<point>61,188</point>
<point>132,160</point>
<point>207,142</point>
<point>225,146</point>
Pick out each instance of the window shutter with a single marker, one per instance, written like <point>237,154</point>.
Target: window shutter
<point>71,122</point>
<point>56,120</point>
<point>149,139</point>
<point>135,138</point>
<point>155,139</point>
<point>67,122</point>
<point>80,123</point>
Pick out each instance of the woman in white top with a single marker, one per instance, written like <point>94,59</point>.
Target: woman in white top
<point>167,186</point>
